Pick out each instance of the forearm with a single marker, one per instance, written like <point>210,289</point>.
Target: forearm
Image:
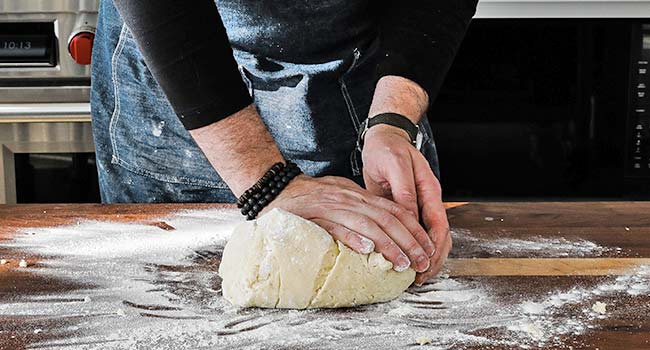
<point>240,148</point>
<point>395,94</point>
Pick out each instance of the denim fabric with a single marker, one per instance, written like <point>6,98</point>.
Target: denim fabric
<point>144,154</point>
<point>303,31</point>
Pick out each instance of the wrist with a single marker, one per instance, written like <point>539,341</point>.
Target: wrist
<point>394,94</point>
<point>399,126</point>
<point>386,130</point>
<point>267,188</point>
<point>297,182</point>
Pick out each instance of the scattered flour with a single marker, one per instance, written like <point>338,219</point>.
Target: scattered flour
<point>531,329</point>
<point>154,288</point>
<point>532,308</point>
<point>549,315</point>
<point>539,246</point>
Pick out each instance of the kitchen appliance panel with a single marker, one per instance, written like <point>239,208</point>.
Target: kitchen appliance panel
<point>45,132</point>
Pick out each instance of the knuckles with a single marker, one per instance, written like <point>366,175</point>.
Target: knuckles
<point>347,236</point>
<point>386,219</point>
<point>339,196</point>
<point>364,223</point>
<point>413,246</point>
<point>396,209</point>
<point>389,247</point>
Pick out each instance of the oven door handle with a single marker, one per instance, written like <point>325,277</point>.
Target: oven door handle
<point>44,112</point>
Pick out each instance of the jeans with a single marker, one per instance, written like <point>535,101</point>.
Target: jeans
<point>144,154</point>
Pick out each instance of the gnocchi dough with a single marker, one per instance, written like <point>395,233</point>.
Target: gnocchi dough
<point>284,261</point>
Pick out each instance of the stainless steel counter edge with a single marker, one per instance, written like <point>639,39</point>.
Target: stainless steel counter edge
<point>563,9</point>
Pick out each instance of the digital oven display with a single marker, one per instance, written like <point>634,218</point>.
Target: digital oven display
<point>27,44</point>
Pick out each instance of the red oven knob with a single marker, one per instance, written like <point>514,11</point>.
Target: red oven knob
<point>80,47</point>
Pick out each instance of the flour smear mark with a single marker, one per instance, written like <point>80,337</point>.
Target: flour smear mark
<point>536,246</point>
<point>157,288</point>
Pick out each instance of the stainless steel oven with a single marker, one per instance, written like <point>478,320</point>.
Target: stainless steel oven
<point>45,133</point>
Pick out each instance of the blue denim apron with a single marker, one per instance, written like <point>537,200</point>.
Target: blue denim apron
<point>144,154</point>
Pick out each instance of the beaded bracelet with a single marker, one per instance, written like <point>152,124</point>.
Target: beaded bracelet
<point>267,188</point>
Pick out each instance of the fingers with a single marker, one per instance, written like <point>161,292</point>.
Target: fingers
<point>409,221</point>
<point>395,229</point>
<point>405,217</point>
<point>383,243</point>
<point>439,231</point>
<point>433,214</point>
<point>347,206</point>
<point>437,261</point>
<point>353,240</point>
<point>429,196</point>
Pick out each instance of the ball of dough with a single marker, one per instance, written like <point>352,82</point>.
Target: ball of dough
<point>284,261</point>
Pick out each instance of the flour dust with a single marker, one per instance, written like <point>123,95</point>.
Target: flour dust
<point>537,246</point>
<point>156,286</point>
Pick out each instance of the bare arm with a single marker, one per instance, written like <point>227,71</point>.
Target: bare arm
<point>394,169</point>
<point>239,147</point>
<point>419,42</point>
<point>395,94</point>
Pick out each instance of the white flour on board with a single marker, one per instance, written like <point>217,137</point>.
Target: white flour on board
<point>152,288</point>
<point>535,246</point>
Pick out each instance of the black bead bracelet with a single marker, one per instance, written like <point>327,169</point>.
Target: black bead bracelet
<point>267,188</point>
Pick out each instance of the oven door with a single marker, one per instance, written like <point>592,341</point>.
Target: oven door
<point>46,153</point>
<point>537,108</point>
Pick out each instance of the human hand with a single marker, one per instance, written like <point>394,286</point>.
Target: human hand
<point>362,221</point>
<point>395,170</point>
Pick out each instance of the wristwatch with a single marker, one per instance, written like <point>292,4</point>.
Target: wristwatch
<point>396,120</point>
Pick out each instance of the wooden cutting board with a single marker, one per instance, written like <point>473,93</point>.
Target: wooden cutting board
<point>503,245</point>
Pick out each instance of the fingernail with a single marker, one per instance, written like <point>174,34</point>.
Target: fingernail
<point>403,263</point>
<point>367,246</point>
<point>423,263</point>
<point>433,251</point>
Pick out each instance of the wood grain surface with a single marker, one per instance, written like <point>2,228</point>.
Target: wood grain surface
<point>621,228</point>
<point>544,267</point>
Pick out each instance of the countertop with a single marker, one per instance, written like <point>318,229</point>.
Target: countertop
<point>521,275</point>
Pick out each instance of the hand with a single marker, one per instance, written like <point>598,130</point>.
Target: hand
<point>358,219</point>
<point>394,169</point>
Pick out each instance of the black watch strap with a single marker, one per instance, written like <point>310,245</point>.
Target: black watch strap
<point>393,119</point>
